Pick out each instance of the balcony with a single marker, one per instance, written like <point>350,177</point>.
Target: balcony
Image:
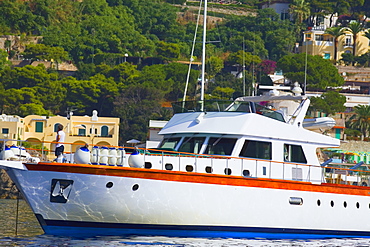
<point>347,45</point>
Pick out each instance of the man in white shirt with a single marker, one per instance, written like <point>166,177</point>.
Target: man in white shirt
<point>59,147</point>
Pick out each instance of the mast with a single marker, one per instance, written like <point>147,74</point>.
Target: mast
<point>203,55</point>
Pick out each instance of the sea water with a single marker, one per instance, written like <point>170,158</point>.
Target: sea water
<point>22,229</point>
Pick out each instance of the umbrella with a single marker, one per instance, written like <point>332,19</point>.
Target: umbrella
<point>133,141</point>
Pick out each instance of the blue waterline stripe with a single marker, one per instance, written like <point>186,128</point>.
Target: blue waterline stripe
<point>53,226</point>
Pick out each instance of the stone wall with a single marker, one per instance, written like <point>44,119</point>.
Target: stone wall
<point>356,146</point>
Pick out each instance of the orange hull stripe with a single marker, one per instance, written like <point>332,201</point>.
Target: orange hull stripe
<point>202,178</point>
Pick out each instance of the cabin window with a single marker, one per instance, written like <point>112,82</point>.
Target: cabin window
<point>294,153</point>
<point>256,149</point>
<point>222,146</point>
<point>191,145</point>
<point>170,143</point>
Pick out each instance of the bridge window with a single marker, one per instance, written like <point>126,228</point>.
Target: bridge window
<point>191,144</point>
<point>170,143</point>
<point>256,149</point>
<point>294,153</point>
<point>222,146</point>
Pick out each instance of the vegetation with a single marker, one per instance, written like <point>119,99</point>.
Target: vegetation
<point>126,53</point>
<point>329,103</point>
<point>361,119</point>
<point>321,73</point>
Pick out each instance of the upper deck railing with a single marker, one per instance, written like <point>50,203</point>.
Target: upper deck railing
<point>170,160</point>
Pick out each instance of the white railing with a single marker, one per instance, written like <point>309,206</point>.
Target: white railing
<point>189,162</point>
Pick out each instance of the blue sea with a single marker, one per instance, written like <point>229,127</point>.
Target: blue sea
<point>26,232</point>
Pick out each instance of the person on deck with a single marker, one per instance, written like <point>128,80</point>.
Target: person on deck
<point>59,147</point>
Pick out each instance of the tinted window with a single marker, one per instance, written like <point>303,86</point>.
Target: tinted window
<point>170,142</point>
<point>191,144</point>
<point>294,153</point>
<point>222,146</point>
<point>256,149</point>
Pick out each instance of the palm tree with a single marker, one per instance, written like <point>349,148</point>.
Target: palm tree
<point>361,119</point>
<point>336,32</point>
<point>355,28</point>
<point>300,10</point>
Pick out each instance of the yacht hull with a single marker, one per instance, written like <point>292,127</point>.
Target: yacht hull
<point>70,199</point>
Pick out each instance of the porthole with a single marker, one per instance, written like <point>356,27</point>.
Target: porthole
<point>148,165</point>
<point>227,171</point>
<point>369,205</point>
<point>345,204</point>
<point>364,184</point>
<point>332,203</point>
<point>295,200</point>
<point>318,202</point>
<point>189,168</point>
<point>135,187</point>
<point>168,166</point>
<point>357,205</point>
<point>209,169</point>
<point>109,185</point>
<point>246,173</point>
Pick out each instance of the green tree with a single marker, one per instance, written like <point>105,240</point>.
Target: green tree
<point>241,58</point>
<point>221,93</point>
<point>279,45</point>
<point>355,28</point>
<point>124,73</point>
<point>177,74</point>
<point>108,90</point>
<point>135,106</point>
<point>321,73</point>
<point>81,94</point>
<point>335,32</point>
<point>300,10</point>
<point>348,58</point>
<point>21,102</point>
<point>329,103</point>
<point>155,76</point>
<point>168,51</point>
<point>3,60</point>
<point>44,52</point>
<point>213,66</point>
<point>361,119</point>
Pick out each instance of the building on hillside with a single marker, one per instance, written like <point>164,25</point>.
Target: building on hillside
<point>80,130</point>
<point>281,7</point>
<point>11,127</point>
<point>317,42</point>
